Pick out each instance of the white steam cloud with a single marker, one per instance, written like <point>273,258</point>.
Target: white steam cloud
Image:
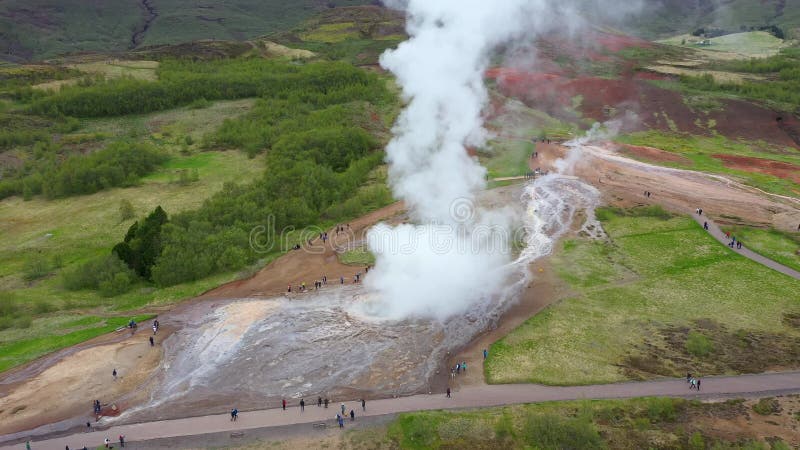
<point>447,261</point>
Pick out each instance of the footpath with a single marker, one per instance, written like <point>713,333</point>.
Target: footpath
<point>717,233</point>
<point>470,397</point>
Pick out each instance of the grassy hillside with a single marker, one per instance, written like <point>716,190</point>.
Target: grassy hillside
<point>664,18</point>
<point>38,29</point>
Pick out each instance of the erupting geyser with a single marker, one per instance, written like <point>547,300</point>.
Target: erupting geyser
<point>457,253</point>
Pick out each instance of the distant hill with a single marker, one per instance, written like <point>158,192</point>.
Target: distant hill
<point>662,18</point>
<point>38,29</point>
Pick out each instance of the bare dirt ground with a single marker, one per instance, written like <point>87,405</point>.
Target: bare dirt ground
<point>308,264</point>
<point>623,182</point>
<point>67,387</point>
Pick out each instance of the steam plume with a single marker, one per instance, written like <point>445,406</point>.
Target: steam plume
<point>445,263</point>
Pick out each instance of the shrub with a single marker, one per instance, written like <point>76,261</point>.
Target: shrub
<point>126,211</point>
<point>43,307</point>
<point>767,406</point>
<point>547,431</point>
<point>200,103</point>
<point>698,344</point>
<point>35,268</point>
<point>108,274</point>
<point>661,409</point>
<point>696,441</point>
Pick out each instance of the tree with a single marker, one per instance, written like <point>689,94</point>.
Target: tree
<point>142,244</point>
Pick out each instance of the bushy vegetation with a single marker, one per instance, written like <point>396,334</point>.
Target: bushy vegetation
<point>307,174</point>
<point>783,88</point>
<point>313,121</point>
<point>698,345</point>
<point>109,275</point>
<point>182,82</point>
<point>119,164</point>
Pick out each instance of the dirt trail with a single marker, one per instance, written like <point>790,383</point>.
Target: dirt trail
<point>623,181</point>
<point>151,15</point>
<point>472,397</point>
<point>310,262</point>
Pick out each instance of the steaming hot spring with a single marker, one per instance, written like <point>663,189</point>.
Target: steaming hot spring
<point>334,342</point>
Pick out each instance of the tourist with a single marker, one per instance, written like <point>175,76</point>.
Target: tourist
<point>122,440</point>
<point>341,280</point>
<point>319,402</point>
<point>108,443</point>
<point>352,415</point>
<point>340,420</point>
<point>28,445</point>
<point>485,353</point>
<point>448,392</point>
<point>363,405</point>
<point>234,414</point>
<point>284,404</point>
<point>114,374</point>
<point>155,328</point>
<point>89,424</point>
<point>289,289</point>
<point>698,384</point>
<point>342,408</point>
<point>302,405</point>
<point>464,366</point>
<point>705,226</point>
<point>152,343</point>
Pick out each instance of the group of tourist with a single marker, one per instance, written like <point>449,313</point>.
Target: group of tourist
<point>458,368</point>
<point>694,383</point>
<point>323,281</point>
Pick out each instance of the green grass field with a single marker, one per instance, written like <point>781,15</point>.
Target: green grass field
<point>46,336</point>
<point>637,298</point>
<point>699,150</point>
<point>638,423</point>
<point>753,44</point>
<point>590,424</point>
<point>507,158</point>
<point>776,245</point>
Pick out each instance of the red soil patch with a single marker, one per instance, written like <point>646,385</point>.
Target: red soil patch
<point>651,154</point>
<point>784,170</point>
<point>618,42</point>
<point>659,109</point>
